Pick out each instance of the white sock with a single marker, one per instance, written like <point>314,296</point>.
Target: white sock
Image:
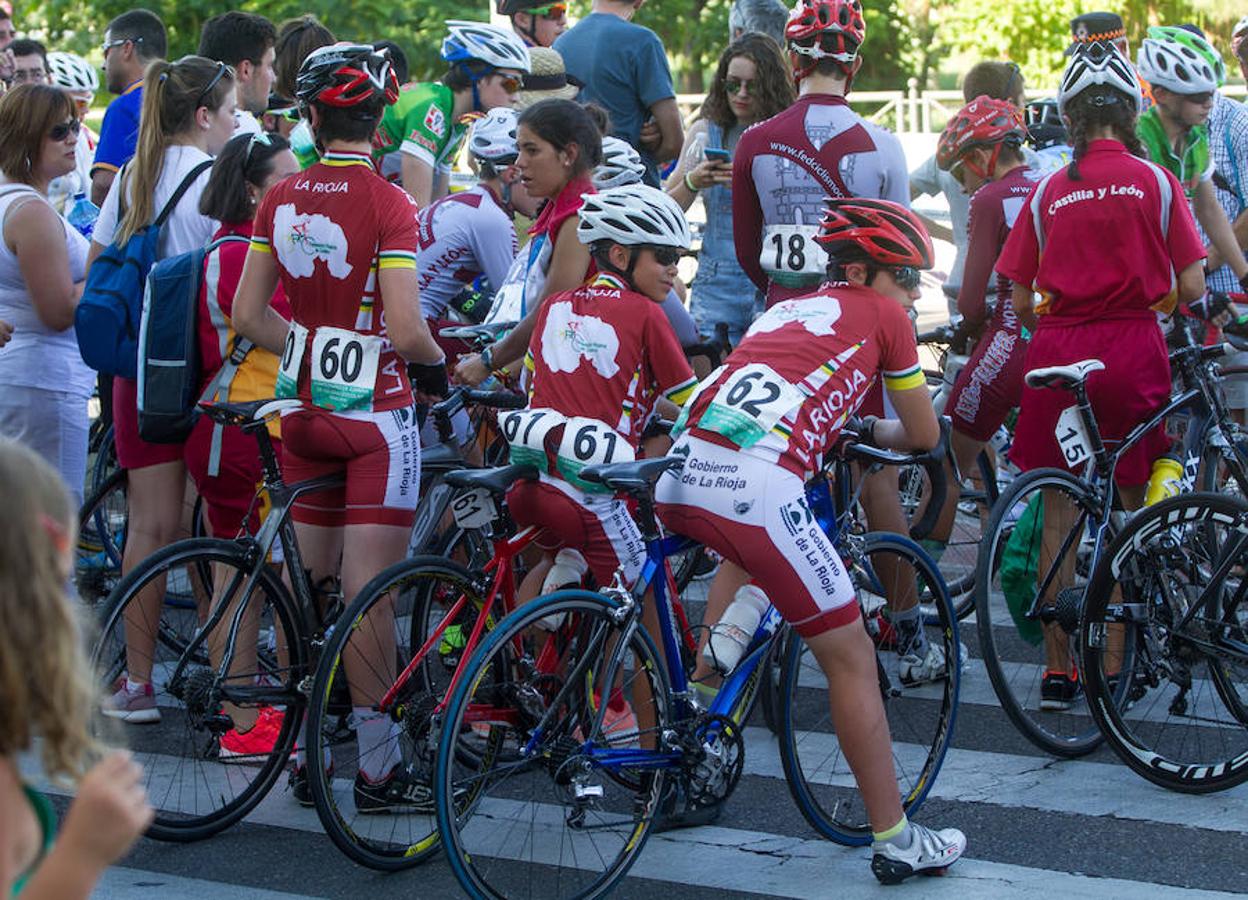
<point>134,687</point>
<point>378,739</point>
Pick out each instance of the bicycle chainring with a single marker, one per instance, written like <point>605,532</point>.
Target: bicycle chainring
<point>715,759</point>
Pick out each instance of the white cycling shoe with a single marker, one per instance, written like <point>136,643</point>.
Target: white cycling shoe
<point>930,853</point>
<point>914,670</point>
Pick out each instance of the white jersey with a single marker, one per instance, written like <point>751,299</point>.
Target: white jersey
<point>462,236</point>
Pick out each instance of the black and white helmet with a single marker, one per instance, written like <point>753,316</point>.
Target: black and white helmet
<point>1099,64</point>
<point>72,72</point>
<point>493,136</point>
<point>621,165</point>
<point>633,214</point>
<point>498,47</point>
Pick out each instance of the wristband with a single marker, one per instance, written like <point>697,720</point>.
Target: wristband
<point>689,184</point>
<point>487,357</point>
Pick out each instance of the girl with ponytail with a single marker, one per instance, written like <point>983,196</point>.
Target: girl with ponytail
<point>187,117</point>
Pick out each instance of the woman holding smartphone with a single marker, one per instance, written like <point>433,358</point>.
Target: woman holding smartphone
<point>752,83</point>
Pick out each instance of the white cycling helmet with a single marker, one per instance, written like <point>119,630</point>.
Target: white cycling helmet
<point>633,214</point>
<point>1177,64</point>
<point>72,72</point>
<point>490,44</point>
<point>621,165</point>
<point>1099,64</point>
<point>493,136</point>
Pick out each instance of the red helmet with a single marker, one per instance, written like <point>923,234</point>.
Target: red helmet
<point>345,74</point>
<point>885,231</point>
<point>824,29</point>
<point>984,122</point>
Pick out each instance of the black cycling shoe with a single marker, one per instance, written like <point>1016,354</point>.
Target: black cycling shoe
<point>1059,691</point>
<point>676,811</point>
<point>299,787</point>
<point>404,790</point>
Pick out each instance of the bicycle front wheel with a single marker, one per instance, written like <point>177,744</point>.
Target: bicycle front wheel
<point>920,718</point>
<point>198,773</point>
<point>1184,722</point>
<point>562,800</point>
<point>1034,567</point>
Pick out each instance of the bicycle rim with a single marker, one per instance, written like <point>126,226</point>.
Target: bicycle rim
<point>540,818</point>
<point>1015,650</point>
<point>101,540</point>
<point>197,789</point>
<point>920,718</point>
<point>1185,725</point>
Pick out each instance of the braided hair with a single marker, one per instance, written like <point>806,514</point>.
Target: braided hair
<point>1097,108</point>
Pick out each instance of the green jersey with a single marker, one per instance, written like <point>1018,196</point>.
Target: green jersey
<point>421,122</point>
<point>1192,167</point>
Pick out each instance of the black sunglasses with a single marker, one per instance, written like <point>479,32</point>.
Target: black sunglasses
<point>664,256</point>
<point>222,68</point>
<point>907,277</point>
<point>63,130</point>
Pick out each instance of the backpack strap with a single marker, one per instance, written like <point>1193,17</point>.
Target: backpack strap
<point>190,178</point>
<point>225,375</point>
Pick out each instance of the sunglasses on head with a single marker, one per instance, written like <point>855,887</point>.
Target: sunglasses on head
<point>259,137</point>
<point>222,68</point>
<point>734,85</point>
<point>64,129</point>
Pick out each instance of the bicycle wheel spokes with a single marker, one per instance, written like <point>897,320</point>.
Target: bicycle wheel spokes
<point>199,775</point>
<point>101,541</point>
<point>560,803</point>
<point>1034,569</point>
<point>1183,723</point>
<point>920,715</point>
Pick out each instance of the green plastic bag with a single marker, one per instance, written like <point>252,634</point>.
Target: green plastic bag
<point>1018,569</point>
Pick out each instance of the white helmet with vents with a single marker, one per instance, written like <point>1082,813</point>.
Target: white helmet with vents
<point>621,165</point>
<point>1099,64</point>
<point>72,72</point>
<point>633,214</point>
<point>490,44</point>
<point>493,136</point>
<point>1177,63</point>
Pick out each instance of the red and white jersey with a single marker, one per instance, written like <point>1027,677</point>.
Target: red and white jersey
<point>331,228</point>
<point>994,209</point>
<point>802,369</point>
<point>462,235</point>
<point>782,170</point>
<point>605,352</point>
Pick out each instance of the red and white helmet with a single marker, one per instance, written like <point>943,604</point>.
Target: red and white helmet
<point>885,231</point>
<point>984,122</point>
<point>824,29</point>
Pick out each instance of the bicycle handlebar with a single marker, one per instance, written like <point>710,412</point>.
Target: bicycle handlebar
<point>461,397</point>
<point>931,461</point>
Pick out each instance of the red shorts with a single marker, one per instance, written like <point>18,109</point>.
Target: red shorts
<point>379,452</point>
<point>1134,384</point>
<point>598,525</point>
<point>990,384</point>
<point>228,495</point>
<point>132,451</point>
<point>755,514</point>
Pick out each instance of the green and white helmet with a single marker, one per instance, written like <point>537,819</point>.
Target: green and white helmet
<point>1180,61</point>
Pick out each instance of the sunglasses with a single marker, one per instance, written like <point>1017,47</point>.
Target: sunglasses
<point>664,256</point>
<point>553,11</point>
<point>258,138</point>
<point>907,277</point>
<point>109,45</point>
<point>735,86</point>
<point>222,69</point>
<point>1199,99</point>
<point>510,83</point>
<point>60,132</point>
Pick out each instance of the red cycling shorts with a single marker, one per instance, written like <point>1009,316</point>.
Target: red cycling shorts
<point>990,384</point>
<point>228,495</point>
<point>132,451</point>
<point>378,452</point>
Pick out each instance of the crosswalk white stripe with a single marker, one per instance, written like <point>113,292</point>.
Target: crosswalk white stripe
<point>122,883</point>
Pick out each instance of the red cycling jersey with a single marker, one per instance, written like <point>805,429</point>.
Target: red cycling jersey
<point>331,229</point>
<point>802,369</point>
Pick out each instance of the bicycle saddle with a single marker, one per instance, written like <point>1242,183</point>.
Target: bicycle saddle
<point>243,413</point>
<point>1065,377</point>
<point>496,481</point>
<point>631,477</point>
<point>474,332</point>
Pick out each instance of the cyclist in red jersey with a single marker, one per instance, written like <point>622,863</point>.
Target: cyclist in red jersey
<point>341,240</point>
<point>762,423</point>
<point>982,146</point>
<point>1108,243</point>
<point>785,166</point>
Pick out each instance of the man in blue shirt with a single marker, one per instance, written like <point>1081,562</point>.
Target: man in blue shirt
<point>133,40</point>
<point>623,68</point>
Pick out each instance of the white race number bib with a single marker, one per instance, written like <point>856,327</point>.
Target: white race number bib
<point>749,404</point>
<point>526,430</point>
<point>791,250</point>
<point>292,358</point>
<point>588,442</point>
<point>344,368</point>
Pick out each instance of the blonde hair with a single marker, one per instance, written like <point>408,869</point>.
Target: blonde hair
<point>172,93</point>
<point>45,680</point>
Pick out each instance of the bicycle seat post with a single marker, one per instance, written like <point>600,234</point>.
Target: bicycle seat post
<point>1099,454</point>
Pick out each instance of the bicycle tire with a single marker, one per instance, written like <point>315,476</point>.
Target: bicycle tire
<point>186,804</point>
<point>1015,665</point>
<point>1171,733</point>
<point>101,540</point>
<point>384,843</point>
<point>500,681</point>
<point>921,720</point>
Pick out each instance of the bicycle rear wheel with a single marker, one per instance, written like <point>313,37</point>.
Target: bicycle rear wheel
<point>920,718</point>
<point>197,789</point>
<point>548,812</point>
<point>101,540</point>
<point>1017,650</point>
<point>396,614</point>
<point>1185,723</point>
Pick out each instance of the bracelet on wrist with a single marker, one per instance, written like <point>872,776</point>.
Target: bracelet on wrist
<point>689,183</point>
<point>487,358</point>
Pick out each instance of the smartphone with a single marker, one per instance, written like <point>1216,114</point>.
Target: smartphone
<point>717,154</point>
